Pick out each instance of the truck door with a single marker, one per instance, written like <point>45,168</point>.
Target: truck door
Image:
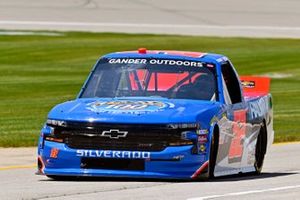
<point>233,127</point>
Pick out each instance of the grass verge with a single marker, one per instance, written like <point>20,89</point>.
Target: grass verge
<point>39,71</point>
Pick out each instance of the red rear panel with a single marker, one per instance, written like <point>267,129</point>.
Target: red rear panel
<point>255,86</point>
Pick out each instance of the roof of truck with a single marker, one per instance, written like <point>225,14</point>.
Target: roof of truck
<point>143,52</point>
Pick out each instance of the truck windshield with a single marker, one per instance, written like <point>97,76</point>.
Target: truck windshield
<point>138,77</point>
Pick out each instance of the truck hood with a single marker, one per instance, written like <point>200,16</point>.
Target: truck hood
<point>134,110</point>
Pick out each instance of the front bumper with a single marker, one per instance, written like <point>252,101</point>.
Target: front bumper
<point>172,162</point>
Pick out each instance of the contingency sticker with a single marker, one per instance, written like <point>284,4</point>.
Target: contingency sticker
<point>248,84</point>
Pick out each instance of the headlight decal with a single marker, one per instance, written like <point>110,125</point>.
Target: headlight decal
<point>54,122</point>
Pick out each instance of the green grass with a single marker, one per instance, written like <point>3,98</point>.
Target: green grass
<point>37,72</point>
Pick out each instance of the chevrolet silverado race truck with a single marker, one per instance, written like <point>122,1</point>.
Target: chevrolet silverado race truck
<point>160,114</point>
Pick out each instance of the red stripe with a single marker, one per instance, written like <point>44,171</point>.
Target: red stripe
<point>198,171</point>
<point>178,53</point>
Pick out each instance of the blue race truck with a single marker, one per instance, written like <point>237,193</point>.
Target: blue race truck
<point>160,114</point>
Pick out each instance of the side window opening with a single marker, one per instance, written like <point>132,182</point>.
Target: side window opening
<point>226,93</point>
<point>232,83</point>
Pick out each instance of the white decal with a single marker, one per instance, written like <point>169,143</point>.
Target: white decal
<point>113,154</point>
<point>156,62</point>
<point>127,61</point>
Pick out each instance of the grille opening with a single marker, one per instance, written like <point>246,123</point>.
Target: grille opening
<point>135,144</point>
<point>114,164</point>
<point>140,137</point>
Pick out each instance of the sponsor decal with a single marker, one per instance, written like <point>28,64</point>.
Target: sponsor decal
<point>183,125</point>
<point>259,108</point>
<point>202,132</point>
<point>202,139</point>
<point>124,106</point>
<point>179,157</point>
<point>202,148</point>
<point>114,134</point>
<point>248,84</point>
<point>56,122</point>
<point>113,154</point>
<point>127,61</point>
<point>54,153</point>
<point>156,62</point>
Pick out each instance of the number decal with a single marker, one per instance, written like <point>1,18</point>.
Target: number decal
<point>239,131</point>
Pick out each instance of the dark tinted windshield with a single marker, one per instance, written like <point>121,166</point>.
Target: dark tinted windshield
<point>131,77</point>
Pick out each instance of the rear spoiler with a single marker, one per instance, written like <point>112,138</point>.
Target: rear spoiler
<point>255,86</point>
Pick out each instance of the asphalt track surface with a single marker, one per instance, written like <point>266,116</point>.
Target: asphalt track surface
<point>269,18</point>
<point>280,180</point>
<point>246,18</point>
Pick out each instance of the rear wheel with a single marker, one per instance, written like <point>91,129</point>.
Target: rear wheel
<point>260,151</point>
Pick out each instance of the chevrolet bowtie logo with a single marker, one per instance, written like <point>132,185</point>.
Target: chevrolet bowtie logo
<point>114,133</point>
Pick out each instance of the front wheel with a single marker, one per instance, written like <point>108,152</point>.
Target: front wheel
<point>208,170</point>
<point>213,155</point>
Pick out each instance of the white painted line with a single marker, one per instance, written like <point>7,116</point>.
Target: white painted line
<point>29,33</point>
<point>277,75</point>
<point>96,24</point>
<point>286,143</point>
<point>245,192</point>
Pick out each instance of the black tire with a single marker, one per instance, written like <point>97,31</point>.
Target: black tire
<point>213,155</point>
<point>61,178</point>
<point>260,150</point>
